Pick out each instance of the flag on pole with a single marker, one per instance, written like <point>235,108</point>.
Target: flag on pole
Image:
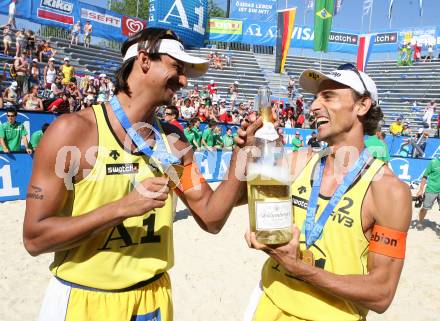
<point>420,7</point>
<point>364,49</point>
<point>368,4</point>
<point>338,5</point>
<point>390,9</point>
<point>286,21</point>
<point>323,24</point>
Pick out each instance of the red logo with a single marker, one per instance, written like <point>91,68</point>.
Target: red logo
<point>130,26</point>
<point>49,15</point>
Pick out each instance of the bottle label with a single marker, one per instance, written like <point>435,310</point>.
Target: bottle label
<point>273,215</point>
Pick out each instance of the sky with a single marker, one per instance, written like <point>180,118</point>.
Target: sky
<point>405,13</point>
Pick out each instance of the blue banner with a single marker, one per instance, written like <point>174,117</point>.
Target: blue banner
<point>256,10</point>
<point>188,18</point>
<point>15,172</point>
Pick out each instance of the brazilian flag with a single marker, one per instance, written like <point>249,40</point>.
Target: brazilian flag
<point>323,23</point>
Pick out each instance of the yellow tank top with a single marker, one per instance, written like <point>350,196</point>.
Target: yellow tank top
<point>133,251</point>
<point>67,73</point>
<point>342,249</point>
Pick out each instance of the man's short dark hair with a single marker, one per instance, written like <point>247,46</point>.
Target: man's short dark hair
<point>187,100</point>
<point>212,123</point>
<point>174,111</point>
<point>150,35</point>
<point>11,110</point>
<point>373,117</point>
<point>193,121</point>
<point>44,127</point>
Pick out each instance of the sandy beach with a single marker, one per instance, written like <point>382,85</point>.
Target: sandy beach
<point>214,275</point>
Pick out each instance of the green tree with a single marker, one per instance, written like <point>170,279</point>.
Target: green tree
<point>215,11</point>
<point>129,7</point>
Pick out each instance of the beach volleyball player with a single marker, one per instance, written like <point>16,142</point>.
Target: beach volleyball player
<point>351,214</point>
<point>100,200</point>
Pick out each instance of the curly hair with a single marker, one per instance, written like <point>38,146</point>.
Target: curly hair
<point>373,117</point>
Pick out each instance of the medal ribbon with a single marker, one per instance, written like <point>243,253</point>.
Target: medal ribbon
<point>160,153</point>
<point>313,230</point>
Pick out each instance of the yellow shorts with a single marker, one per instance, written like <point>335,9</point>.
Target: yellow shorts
<point>268,311</point>
<point>67,302</point>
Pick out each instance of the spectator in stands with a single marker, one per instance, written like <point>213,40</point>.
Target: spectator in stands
<point>50,73</point>
<point>21,42</point>
<point>10,95</point>
<point>61,104</point>
<point>396,127</point>
<point>46,52</point>
<point>111,88</point>
<point>87,34</point>
<point>31,101</point>
<point>300,120</point>
<point>202,113</point>
<point>57,87</point>
<point>11,14</point>
<point>189,134</point>
<point>7,40</point>
<point>37,135</point>
<point>291,87</point>
<point>187,111</point>
<point>417,52</point>
<point>297,142</point>
<point>218,142</point>
<point>406,130</point>
<point>90,88</point>
<point>30,43</point>
<point>313,142</point>
<point>377,147</point>
<point>432,192</point>
<point>228,59</point>
<point>67,70</point>
<point>215,97</point>
<point>87,102</point>
<point>290,120</point>
<point>429,113</point>
<point>430,53</point>
<point>208,139</point>
<point>74,33</point>
<point>236,118</point>
<point>299,103</point>
<point>419,143</point>
<point>34,77</point>
<point>13,133</point>
<point>194,92</point>
<point>228,139</point>
<point>218,62</point>
<point>212,86</point>
<point>233,93</point>
<point>75,94</point>
<point>103,90</point>
<point>172,116</point>
<point>22,67</point>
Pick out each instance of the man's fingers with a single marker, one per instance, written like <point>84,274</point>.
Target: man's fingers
<point>247,237</point>
<point>254,126</point>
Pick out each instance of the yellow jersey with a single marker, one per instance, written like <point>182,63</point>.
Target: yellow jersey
<point>133,251</point>
<point>341,249</point>
<point>67,72</point>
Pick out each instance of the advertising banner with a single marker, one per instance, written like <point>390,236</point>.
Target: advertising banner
<point>255,10</point>
<point>226,30</point>
<point>59,13</point>
<point>188,18</point>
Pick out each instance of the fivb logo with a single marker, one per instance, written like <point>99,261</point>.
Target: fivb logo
<point>59,5</point>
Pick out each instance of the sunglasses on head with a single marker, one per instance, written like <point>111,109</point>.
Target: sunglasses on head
<point>349,66</point>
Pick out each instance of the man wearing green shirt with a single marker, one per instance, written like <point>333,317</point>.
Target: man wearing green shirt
<point>377,146</point>
<point>297,142</point>
<point>197,132</point>
<point>36,136</point>
<point>189,134</point>
<point>432,192</point>
<point>208,139</point>
<point>12,133</point>
<point>228,139</point>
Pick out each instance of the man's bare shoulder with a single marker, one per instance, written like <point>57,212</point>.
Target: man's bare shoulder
<point>73,127</point>
<point>392,200</point>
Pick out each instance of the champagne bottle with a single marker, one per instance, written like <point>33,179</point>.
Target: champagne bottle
<point>268,172</point>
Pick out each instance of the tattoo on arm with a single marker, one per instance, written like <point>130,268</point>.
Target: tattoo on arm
<point>36,193</point>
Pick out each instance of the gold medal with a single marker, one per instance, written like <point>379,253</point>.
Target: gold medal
<point>307,257</point>
<point>174,173</point>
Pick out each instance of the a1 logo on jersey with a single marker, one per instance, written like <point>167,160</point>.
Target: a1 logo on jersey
<point>130,26</point>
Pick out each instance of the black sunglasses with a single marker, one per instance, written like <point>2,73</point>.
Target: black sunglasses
<point>10,116</point>
<point>169,114</point>
<point>349,66</point>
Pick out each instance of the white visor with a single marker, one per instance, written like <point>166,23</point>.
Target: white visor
<point>310,80</point>
<point>195,66</point>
